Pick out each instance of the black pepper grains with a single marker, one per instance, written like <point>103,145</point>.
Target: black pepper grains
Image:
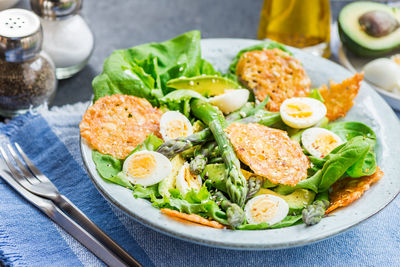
<point>25,84</point>
<point>27,74</point>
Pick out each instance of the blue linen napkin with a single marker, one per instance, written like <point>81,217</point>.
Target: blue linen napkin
<point>28,238</point>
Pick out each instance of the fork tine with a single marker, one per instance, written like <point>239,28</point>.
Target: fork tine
<point>15,173</point>
<point>39,175</point>
<point>28,175</point>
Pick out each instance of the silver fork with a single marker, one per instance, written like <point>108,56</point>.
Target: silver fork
<point>33,180</point>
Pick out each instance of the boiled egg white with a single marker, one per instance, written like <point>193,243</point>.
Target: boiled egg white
<point>384,73</point>
<point>302,112</point>
<point>174,124</point>
<point>266,208</point>
<point>231,100</point>
<point>146,167</point>
<point>186,181</point>
<point>319,142</point>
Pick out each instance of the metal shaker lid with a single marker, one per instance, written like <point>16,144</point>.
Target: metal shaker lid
<point>56,9</point>
<point>20,35</point>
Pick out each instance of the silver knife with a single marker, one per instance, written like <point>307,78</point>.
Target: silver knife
<point>60,218</point>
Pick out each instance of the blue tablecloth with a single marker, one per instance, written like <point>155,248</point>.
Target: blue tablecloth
<point>28,238</point>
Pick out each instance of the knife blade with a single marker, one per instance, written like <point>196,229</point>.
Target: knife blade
<point>60,218</point>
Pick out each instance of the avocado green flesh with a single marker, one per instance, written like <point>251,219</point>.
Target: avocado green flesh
<point>169,181</point>
<point>205,85</point>
<point>215,173</point>
<point>359,42</point>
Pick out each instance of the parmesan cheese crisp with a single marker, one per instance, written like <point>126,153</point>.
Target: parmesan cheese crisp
<point>116,124</point>
<point>269,152</point>
<point>275,73</point>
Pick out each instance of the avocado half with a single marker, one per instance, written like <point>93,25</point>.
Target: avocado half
<point>356,39</point>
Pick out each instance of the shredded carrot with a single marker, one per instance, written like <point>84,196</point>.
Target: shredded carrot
<point>193,218</point>
<point>346,191</point>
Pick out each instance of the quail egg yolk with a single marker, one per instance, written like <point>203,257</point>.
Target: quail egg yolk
<point>325,143</point>
<point>263,210</point>
<point>299,110</point>
<point>141,165</point>
<point>191,180</point>
<point>176,129</point>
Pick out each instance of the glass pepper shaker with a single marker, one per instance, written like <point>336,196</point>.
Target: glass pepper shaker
<point>27,74</point>
<point>67,38</point>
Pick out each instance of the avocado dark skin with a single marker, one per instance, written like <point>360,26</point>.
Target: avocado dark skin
<point>369,29</point>
<point>378,23</point>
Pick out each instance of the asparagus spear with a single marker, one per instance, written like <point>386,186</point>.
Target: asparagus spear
<point>199,162</point>
<point>254,186</point>
<point>313,213</point>
<point>216,160</point>
<point>172,147</point>
<point>241,113</point>
<point>262,117</point>
<point>235,215</point>
<point>247,110</point>
<point>236,184</point>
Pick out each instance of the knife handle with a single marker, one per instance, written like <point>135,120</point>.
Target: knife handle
<point>84,237</point>
<point>75,213</point>
<point>60,218</point>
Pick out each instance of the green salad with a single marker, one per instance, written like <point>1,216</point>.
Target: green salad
<point>254,148</point>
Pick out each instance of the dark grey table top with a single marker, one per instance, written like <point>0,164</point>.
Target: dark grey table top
<point>120,24</point>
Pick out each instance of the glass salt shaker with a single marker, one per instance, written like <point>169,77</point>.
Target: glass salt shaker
<point>67,38</point>
<point>27,74</point>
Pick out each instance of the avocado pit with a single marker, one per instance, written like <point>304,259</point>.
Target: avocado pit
<point>378,23</point>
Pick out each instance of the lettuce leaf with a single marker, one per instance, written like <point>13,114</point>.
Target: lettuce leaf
<point>342,159</point>
<point>347,130</point>
<point>316,95</point>
<point>106,165</point>
<point>199,203</point>
<point>120,179</point>
<point>110,168</point>
<point>334,166</point>
<point>144,70</point>
<point>311,183</point>
<point>122,75</point>
<point>180,100</point>
<point>148,192</point>
<point>151,143</point>
<point>350,129</point>
<point>287,221</point>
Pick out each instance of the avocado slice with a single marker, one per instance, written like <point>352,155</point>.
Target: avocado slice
<point>169,182</point>
<point>355,24</point>
<point>215,173</point>
<point>207,85</point>
<point>297,201</point>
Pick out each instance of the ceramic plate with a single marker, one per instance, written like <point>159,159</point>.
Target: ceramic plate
<point>355,63</point>
<point>370,109</point>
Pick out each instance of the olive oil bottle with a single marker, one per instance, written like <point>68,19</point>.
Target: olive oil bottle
<point>299,23</point>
